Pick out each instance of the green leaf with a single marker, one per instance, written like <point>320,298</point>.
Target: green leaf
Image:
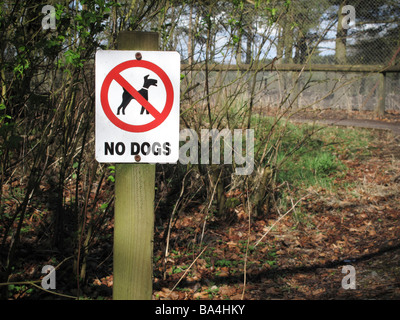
<point>235,39</point>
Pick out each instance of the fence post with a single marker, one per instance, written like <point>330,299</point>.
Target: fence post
<point>134,208</point>
<point>380,107</point>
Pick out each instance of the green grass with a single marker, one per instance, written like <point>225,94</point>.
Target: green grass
<point>315,161</point>
<point>315,168</point>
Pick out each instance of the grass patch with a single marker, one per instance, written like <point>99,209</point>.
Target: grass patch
<point>307,155</point>
<point>316,168</point>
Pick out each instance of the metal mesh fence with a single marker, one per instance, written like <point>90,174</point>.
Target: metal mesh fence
<point>322,31</point>
<point>248,34</point>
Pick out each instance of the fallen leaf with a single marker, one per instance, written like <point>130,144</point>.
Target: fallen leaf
<point>201,295</point>
<point>231,244</point>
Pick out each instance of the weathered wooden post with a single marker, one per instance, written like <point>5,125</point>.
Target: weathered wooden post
<point>380,107</point>
<point>134,208</point>
<point>135,141</point>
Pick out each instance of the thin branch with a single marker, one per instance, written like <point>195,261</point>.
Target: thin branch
<point>280,218</point>
<point>33,283</point>
<point>187,270</point>
<point>247,246</point>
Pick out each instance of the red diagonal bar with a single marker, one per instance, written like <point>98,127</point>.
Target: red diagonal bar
<point>134,93</point>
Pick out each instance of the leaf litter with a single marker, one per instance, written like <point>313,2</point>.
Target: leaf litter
<point>357,224</point>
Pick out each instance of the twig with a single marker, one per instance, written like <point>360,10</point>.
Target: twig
<point>56,293</point>
<point>247,247</point>
<point>187,270</point>
<point>171,219</point>
<point>33,283</point>
<point>208,208</point>
<point>280,218</point>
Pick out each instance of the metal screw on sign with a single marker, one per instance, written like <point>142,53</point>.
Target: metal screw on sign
<point>137,158</point>
<point>138,56</point>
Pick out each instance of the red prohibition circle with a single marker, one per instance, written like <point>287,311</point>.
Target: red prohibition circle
<point>114,74</point>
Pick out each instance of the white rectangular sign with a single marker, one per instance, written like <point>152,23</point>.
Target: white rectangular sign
<point>137,106</point>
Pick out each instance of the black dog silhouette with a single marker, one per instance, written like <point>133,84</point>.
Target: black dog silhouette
<point>127,97</point>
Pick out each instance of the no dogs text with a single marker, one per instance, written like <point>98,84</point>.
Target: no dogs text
<point>145,148</point>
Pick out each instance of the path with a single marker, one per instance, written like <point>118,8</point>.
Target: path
<point>361,123</point>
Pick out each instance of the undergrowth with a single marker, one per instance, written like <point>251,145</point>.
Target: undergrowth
<point>311,155</point>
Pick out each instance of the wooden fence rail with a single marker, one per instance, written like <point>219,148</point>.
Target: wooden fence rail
<point>292,67</point>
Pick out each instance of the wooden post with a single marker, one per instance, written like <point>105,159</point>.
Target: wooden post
<point>134,208</point>
<point>380,108</point>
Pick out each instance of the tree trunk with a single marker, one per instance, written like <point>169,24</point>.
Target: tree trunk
<point>279,46</point>
<point>261,193</point>
<point>288,43</point>
<point>190,44</point>
<point>341,35</point>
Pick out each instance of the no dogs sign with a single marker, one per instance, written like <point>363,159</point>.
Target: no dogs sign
<point>137,106</point>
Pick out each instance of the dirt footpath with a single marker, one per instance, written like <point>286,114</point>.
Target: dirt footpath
<point>361,119</point>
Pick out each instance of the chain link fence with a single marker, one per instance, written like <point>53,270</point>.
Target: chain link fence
<point>265,38</point>
<point>353,32</point>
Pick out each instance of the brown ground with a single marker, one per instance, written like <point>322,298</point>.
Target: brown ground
<point>303,259</point>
